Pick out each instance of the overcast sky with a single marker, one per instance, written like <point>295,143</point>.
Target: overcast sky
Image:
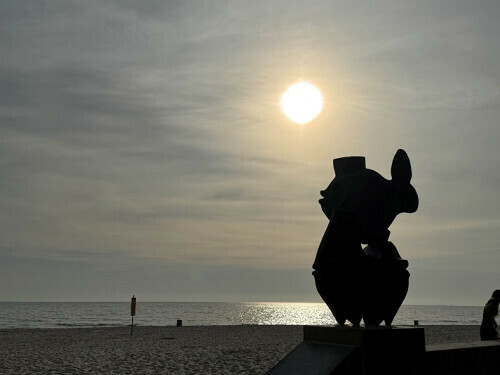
<point>143,150</point>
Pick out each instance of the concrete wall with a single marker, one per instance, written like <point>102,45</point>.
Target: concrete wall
<point>476,358</point>
<point>378,350</point>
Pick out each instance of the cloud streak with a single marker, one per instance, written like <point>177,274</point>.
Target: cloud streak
<point>151,132</point>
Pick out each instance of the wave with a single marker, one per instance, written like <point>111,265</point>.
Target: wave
<point>90,325</point>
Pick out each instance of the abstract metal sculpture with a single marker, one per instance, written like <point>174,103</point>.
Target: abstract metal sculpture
<point>367,283</point>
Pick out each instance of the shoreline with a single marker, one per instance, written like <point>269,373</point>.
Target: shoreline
<point>225,349</point>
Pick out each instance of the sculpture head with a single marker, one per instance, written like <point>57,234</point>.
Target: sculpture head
<point>374,200</point>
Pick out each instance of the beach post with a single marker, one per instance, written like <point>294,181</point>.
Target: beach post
<point>132,313</point>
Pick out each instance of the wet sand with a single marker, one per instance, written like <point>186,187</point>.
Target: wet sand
<point>170,350</point>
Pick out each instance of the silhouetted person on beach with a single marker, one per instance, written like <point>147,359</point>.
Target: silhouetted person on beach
<point>488,329</point>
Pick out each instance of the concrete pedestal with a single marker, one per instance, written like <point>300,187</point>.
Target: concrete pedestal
<point>355,351</point>
<point>383,350</point>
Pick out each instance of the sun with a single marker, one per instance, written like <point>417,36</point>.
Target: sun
<point>302,102</point>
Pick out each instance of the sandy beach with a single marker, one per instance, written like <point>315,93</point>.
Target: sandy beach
<point>165,350</point>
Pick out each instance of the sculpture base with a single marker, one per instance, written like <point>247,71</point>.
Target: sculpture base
<point>360,350</point>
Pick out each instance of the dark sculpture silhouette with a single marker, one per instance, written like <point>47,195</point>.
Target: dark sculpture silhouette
<point>363,283</point>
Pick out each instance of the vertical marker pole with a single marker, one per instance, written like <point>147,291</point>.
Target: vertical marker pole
<point>132,313</point>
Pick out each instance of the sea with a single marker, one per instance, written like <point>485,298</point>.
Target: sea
<point>115,314</point>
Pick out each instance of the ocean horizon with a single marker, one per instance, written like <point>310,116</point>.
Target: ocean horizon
<point>115,314</point>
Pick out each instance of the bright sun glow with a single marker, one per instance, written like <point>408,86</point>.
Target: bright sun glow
<point>302,102</point>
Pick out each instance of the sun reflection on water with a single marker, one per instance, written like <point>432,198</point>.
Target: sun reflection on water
<point>277,313</point>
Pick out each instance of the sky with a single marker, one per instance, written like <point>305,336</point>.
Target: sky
<point>143,149</point>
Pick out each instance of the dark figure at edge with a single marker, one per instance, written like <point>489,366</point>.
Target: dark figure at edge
<point>488,329</point>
